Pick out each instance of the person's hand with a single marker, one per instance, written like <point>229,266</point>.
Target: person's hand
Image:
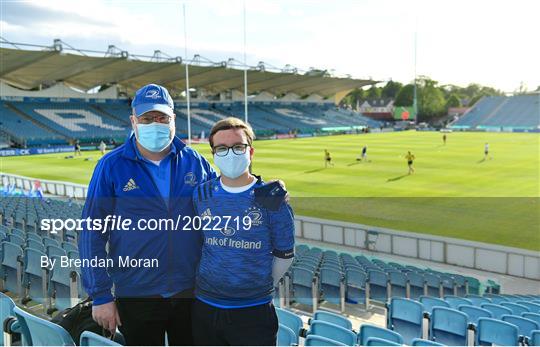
<point>107,316</point>
<point>282,184</point>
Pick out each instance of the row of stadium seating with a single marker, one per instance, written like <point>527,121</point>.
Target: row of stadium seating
<point>325,276</point>
<point>413,323</point>
<point>47,123</point>
<point>516,112</point>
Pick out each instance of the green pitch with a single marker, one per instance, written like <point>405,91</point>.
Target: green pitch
<point>454,192</point>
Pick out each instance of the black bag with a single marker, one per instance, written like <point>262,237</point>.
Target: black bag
<point>77,319</point>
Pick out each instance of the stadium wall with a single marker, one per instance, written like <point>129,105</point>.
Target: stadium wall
<point>474,255</point>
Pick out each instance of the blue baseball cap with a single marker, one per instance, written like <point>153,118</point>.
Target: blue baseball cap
<point>152,97</point>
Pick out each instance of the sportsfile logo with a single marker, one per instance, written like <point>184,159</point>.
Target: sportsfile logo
<point>130,185</point>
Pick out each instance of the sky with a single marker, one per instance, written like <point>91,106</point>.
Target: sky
<point>494,43</point>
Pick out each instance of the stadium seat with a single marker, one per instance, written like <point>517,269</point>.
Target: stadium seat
<point>515,308</point>
<point>332,284</point>
<point>534,308</point>
<point>477,300</point>
<point>40,332</point>
<point>47,241</point>
<point>6,310</point>
<point>16,239</point>
<point>332,331</point>
<point>525,326</point>
<point>332,318</point>
<point>430,302</point>
<point>448,326</point>
<point>18,232</point>
<point>314,340</point>
<point>355,281</point>
<point>34,244</point>
<point>455,301</point>
<point>433,283</point>
<point>12,257</point>
<point>368,330</point>
<point>491,331</point>
<point>34,237</point>
<point>532,316</point>
<point>497,311</point>
<point>377,341</point>
<point>398,284</point>
<point>64,286</point>
<point>55,251</point>
<point>303,282</point>
<point>290,320</point>
<point>68,247</point>
<point>34,276</point>
<point>378,285</point>
<point>474,313</point>
<point>285,336</point>
<point>89,338</point>
<point>422,342</point>
<point>496,299</point>
<point>535,338</point>
<point>405,317</point>
<point>448,285</point>
<point>416,284</point>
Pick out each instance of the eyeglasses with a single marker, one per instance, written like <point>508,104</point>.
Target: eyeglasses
<point>147,119</point>
<point>222,151</point>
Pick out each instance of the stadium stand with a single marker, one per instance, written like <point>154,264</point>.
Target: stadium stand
<point>515,113</point>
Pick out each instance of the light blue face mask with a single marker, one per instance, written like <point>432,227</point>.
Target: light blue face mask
<point>232,165</point>
<point>155,137</point>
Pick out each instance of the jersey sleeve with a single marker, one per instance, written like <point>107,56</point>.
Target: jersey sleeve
<point>282,231</point>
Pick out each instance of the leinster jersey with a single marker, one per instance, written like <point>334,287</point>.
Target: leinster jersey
<point>240,239</point>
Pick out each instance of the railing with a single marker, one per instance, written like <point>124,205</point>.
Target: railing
<point>475,255</point>
<point>59,188</point>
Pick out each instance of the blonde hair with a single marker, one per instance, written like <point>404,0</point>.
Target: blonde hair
<point>231,123</point>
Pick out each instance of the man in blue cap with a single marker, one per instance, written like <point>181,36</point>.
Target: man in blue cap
<point>150,177</point>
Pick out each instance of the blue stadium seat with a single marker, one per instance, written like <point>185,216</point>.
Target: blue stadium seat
<point>89,338</point>
<point>448,285</point>
<point>496,298</point>
<point>314,340</point>
<point>333,318</point>
<point>302,285</point>
<point>474,312</point>
<point>433,283</point>
<point>377,341</point>
<point>515,308</point>
<point>34,244</point>
<point>6,310</point>
<point>18,232</point>
<point>532,316</point>
<point>68,247</point>
<point>478,300</point>
<point>34,276</point>
<point>422,342</point>
<point>534,308</point>
<point>496,332</point>
<point>47,241</point>
<point>331,284</point>
<point>16,239</point>
<point>290,320</point>
<point>497,311</point>
<point>55,251</point>
<point>368,330</point>
<point>405,317</point>
<point>285,336</point>
<point>535,338</point>
<point>378,285</point>
<point>416,284</point>
<point>355,281</point>
<point>40,332</point>
<point>398,284</point>
<point>448,326</point>
<point>455,301</point>
<point>34,237</point>
<point>525,326</point>
<point>12,257</point>
<point>430,302</point>
<point>64,286</point>
<point>332,331</point>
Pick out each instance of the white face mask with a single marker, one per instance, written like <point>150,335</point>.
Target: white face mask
<point>232,165</point>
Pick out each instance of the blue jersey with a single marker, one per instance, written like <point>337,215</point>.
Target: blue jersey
<point>241,238</point>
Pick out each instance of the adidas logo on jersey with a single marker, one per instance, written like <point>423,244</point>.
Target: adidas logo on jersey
<point>207,213</point>
<point>130,185</point>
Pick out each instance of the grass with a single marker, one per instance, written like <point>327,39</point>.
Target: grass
<point>454,192</point>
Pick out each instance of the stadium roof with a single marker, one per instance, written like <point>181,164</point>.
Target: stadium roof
<point>28,69</point>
